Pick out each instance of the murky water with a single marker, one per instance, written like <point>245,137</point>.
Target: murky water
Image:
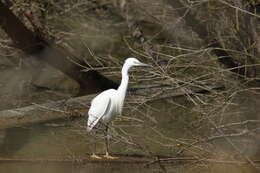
<point>44,147</point>
<point>71,168</point>
<point>57,148</point>
<point>159,129</point>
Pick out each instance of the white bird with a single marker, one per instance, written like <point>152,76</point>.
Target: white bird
<point>108,104</point>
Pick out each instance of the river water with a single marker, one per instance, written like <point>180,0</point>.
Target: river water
<point>161,128</point>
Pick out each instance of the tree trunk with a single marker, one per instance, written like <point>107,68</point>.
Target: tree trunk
<point>33,44</point>
<point>224,57</point>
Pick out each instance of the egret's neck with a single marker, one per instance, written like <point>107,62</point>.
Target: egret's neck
<point>124,82</point>
<point>123,87</point>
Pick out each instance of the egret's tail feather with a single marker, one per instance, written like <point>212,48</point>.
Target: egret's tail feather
<point>89,128</point>
<point>92,121</point>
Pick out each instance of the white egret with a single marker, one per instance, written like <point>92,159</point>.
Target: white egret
<point>108,104</point>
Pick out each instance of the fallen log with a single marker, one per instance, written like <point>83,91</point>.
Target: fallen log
<point>36,113</point>
<point>77,107</point>
<point>125,158</point>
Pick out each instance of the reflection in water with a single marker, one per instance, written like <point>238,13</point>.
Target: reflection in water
<point>12,140</point>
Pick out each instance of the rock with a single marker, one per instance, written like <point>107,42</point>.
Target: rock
<point>5,63</point>
<point>53,79</point>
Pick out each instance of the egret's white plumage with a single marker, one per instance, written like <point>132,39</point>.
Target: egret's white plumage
<point>100,106</point>
<point>109,103</point>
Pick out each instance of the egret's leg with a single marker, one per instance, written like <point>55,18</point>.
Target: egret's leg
<point>107,145</point>
<point>94,156</point>
<point>107,139</point>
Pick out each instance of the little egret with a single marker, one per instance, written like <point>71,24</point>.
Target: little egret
<point>108,104</point>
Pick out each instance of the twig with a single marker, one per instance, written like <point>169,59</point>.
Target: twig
<point>49,108</point>
<point>239,9</point>
<point>238,123</point>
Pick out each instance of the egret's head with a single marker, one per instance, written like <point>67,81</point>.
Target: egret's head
<point>135,62</point>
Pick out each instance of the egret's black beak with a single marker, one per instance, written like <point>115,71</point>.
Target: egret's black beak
<point>145,65</point>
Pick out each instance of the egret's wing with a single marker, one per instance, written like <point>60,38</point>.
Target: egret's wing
<point>100,105</point>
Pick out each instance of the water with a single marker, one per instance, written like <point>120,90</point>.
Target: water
<point>42,148</point>
<point>162,128</point>
<point>58,146</point>
<point>71,168</point>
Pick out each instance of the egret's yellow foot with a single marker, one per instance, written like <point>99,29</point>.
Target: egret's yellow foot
<point>107,156</point>
<point>94,156</point>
